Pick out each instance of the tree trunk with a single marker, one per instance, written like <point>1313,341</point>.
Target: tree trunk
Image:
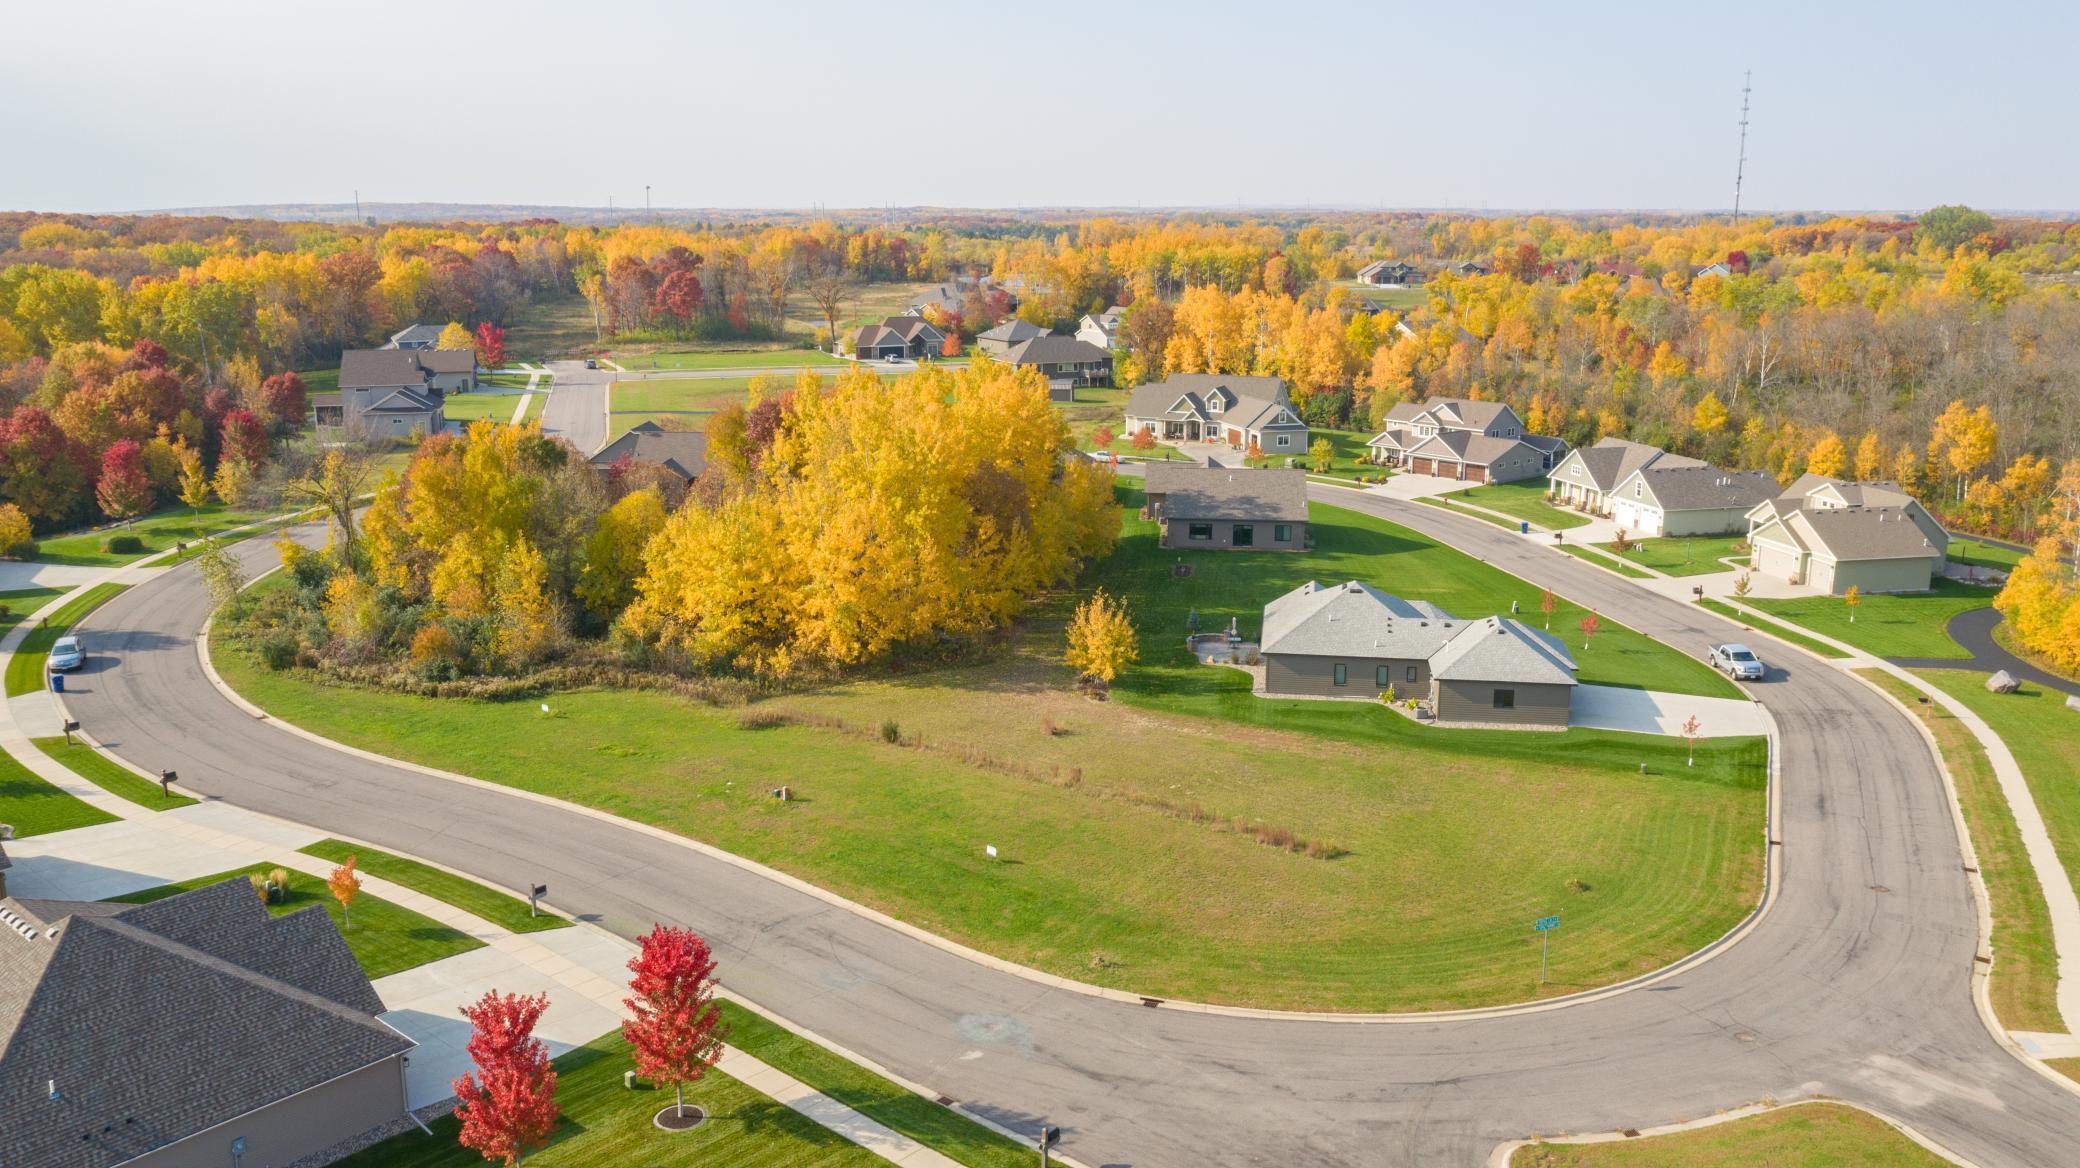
<point>680,1089</point>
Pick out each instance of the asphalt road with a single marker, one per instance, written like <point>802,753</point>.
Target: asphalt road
<point>577,405</point>
<point>1855,985</point>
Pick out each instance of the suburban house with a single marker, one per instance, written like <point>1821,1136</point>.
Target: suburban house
<point>1466,268</point>
<point>193,1030</point>
<point>897,336</point>
<point>1457,438</point>
<point>1833,535</point>
<point>1000,340</point>
<point>1065,361</point>
<point>952,296</point>
<point>1689,500</point>
<point>1354,641</point>
<point>1589,475</point>
<point>1390,274</point>
<point>682,452</point>
<point>1224,507</point>
<point>391,392</point>
<point>1215,407</point>
<point>1712,269</point>
<point>1101,328</point>
<point>418,336</point>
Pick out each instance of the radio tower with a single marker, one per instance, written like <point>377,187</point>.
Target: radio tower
<point>1740,168</point>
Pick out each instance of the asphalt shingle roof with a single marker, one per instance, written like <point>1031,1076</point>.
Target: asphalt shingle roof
<point>1860,533</point>
<point>1218,492</point>
<point>1049,349</point>
<point>1706,488</point>
<point>1013,331</point>
<point>1354,620</point>
<point>1501,649</point>
<point>1612,460</point>
<point>374,368</point>
<point>684,452</point>
<point>1242,397</point>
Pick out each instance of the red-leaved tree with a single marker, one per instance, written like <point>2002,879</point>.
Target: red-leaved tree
<point>509,1106</point>
<point>491,345</point>
<point>284,398</point>
<point>244,439</point>
<point>124,489</point>
<point>674,1023</point>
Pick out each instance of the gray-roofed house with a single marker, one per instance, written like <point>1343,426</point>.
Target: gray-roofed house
<point>682,452</point>
<point>155,1035</point>
<point>952,296</point>
<point>895,337</point>
<point>1390,274</point>
<point>1589,475</point>
<point>1458,438</point>
<point>1833,535</point>
<point>1689,500</point>
<point>1066,362</point>
<point>1217,407</point>
<point>1101,328</point>
<point>1354,641</point>
<point>1000,340</point>
<point>417,336</point>
<point>391,392</point>
<point>1225,507</point>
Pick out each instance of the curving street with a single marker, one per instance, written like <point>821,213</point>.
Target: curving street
<point>1857,984</point>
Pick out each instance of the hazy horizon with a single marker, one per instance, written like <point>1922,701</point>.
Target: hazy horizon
<point>1610,107</point>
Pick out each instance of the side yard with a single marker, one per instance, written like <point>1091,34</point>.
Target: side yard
<point>1907,624</point>
<point>1525,499</point>
<point>1684,555</point>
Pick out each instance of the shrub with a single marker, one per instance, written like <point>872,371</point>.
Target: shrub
<point>278,650</point>
<point>890,732</point>
<point>122,545</point>
<point>761,719</point>
<point>260,887</point>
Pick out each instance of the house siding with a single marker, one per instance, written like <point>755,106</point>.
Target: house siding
<point>1719,521</point>
<point>1177,534</point>
<point>1542,705</point>
<point>299,1126</point>
<point>1309,676</point>
<point>1910,575</point>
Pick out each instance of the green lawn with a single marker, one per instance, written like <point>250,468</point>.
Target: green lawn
<point>1398,299</point>
<point>1681,556</point>
<point>547,326</point>
<point>1773,629</point>
<point>159,531</point>
<point>1602,561</point>
<point>605,1124</point>
<point>1525,499</point>
<point>1347,462</point>
<point>386,938</point>
<point>690,399</point>
<point>1444,504</point>
<point>923,1120</point>
<point>1808,1135</point>
<point>498,406</point>
<point>731,359</point>
<point>1981,554</point>
<point>1907,624</point>
<point>500,908</point>
<point>25,668</point>
<point>324,380</point>
<point>35,807</point>
<point>16,604</point>
<point>110,775</point>
<point>2024,988</point>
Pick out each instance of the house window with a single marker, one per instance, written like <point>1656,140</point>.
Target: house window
<point>1383,676</point>
<point>1505,699</point>
<point>1411,675</point>
<point>1285,440</point>
<point>1199,531</point>
<point>1343,673</point>
<point>1245,535</point>
<point>1282,533</point>
<point>1638,489</point>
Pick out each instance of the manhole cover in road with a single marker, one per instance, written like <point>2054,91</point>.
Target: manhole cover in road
<point>672,1119</point>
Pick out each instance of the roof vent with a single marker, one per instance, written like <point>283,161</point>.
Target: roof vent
<point>53,1088</point>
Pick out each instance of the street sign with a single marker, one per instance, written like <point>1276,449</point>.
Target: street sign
<point>1544,923</point>
<point>1544,927</point>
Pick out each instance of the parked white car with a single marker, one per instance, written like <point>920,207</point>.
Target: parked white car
<point>1738,662</point>
<point>67,654</point>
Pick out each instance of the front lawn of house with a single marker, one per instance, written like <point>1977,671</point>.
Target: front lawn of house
<point>33,806</point>
<point>1808,1135</point>
<point>1603,561</point>
<point>1691,555</point>
<point>158,531</point>
<point>1774,629</point>
<point>1347,462</point>
<point>1525,499</point>
<point>1979,553</point>
<point>16,604</point>
<point>386,938</point>
<point>110,775</point>
<point>506,910</point>
<point>1904,624</point>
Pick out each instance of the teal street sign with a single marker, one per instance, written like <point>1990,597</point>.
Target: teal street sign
<point>1544,923</point>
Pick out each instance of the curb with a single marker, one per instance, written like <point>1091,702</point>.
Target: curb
<point>1504,1153</point>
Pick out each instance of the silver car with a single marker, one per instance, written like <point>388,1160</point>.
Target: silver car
<point>1739,662</point>
<point>67,654</point>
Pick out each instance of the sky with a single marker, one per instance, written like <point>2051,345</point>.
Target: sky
<point>126,106</point>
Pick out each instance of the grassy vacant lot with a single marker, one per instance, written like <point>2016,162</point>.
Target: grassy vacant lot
<point>2025,965</point>
<point>1693,555</point>
<point>1525,499</point>
<point>868,303</point>
<point>500,908</point>
<point>690,399</point>
<point>1807,1135</point>
<point>921,1119</point>
<point>386,938</point>
<point>606,1124</point>
<point>1398,299</point>
<point>549,326</point>
<point>1773,629</point>
<point>1603,561</point>
<point>159,532</point>
<point>1896,625</point>
<point>25,668</point>
<point>35,807</point>
<point>110,775</point>
<point>765,358</point>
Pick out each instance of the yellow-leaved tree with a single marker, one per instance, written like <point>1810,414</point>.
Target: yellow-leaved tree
<point>454,336</point>
<point>1102,641</point>
<point>2042,603</point>
<point>1709,417</point>
<point>1828,457</point>
<point>530,622</point>
<point>614,552</point>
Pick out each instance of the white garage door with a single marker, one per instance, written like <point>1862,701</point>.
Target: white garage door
<point>1636,517</point>
<point>1778,563</point>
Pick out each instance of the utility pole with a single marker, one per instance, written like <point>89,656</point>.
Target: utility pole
<point>357,204</point>
<point>1740,168</point>
<point>646,202</point>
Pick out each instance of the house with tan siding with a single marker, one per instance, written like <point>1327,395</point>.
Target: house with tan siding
<point>1227,508</point>
<point>1833,535</point>
<point>1459,438</point>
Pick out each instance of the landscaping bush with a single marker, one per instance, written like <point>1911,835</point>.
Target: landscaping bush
<point>278,650</point>
<point>24,550</point>
<point>890,732</point>
<point>122,545</point>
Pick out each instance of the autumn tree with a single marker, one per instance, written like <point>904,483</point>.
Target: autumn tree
<point>1590,626</point>
<point>221,573</point>
<point>124,491</point>
<point>1102,437</point>
<point>1692,728</point>
<point>1851,599</point>
<point>1102,640</point>
<point>1546,603</point>
<point>1709,415</point>
<point>335,490</point>
<point>194,480</point>
<point>491,345</point>
<point>1144,439</point>
<point>508,1107</point>
<point>233,482</point>
<point>454,336</point>
<point>284,398</point>
<point>345,884</point>
<point>674,1026</point>
<point>1828,458</point>
<point>1870,457</point>
<point>243,439</point>
<point>1321,455</point>
<point>614,552</point>
<point>1962,441</point>
<point>15,532</point>
<point>831,287</point>
<point>1949,227</point>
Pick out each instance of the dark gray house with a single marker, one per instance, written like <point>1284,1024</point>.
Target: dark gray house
<point>1066,362</point>
<point>1217,407</point>
<point>1354,641</point>
<point>897,337</point>
<point>683,452</point>
<point>1390,274</point>
<point>1003,338</point>
<point>186,1032</point>
<point>1227,508</point>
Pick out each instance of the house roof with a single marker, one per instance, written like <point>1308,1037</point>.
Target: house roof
<point>1858,533</point>
<point>1013,331</point>
<point>424,334</point>
<point>1501,649</point>
<point>1188,395</point>
<point>1704,488</point>
<point>160,1020</point>
<point>403,401</point>
<point>1050,349</point>
<point>378,368</point>
<point>683,452</point>
<point>1612,460</point>
<point>1457,413</point>
<point>1355,620</point>
<point>1219,492</point>
<point>1881,493</point>
<point>1468,447</point>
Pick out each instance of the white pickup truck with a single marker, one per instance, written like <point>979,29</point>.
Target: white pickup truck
<point>1738,662</point>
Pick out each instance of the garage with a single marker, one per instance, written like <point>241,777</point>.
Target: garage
<point>1776,561</point>
<point>1474,474</point>
<point>1423,466</point>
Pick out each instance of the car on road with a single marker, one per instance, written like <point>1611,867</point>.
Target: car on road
<point>591,364</point>
<point>66,654</point>
<point>1739,662</point>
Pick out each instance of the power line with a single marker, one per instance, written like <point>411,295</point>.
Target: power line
<point>1740,168</point>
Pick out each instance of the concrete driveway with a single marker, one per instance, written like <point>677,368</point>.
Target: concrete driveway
<point>1643,711</point>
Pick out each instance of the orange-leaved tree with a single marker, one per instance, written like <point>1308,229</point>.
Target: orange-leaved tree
<point>509,1106</point>
<point>674,1025</point>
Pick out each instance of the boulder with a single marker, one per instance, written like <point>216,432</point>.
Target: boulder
<point>2073,704</point>
<point>2003,682</point>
